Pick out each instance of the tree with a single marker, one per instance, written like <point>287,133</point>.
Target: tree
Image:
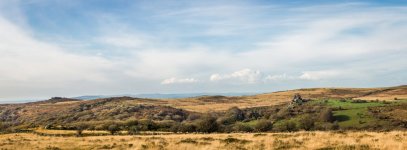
<point>327,115</point>
<point>207,124</point>
<point>263,125</point>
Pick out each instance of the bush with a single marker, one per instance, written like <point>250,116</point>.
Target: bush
<point>80,127</point>
<point>263,125</point>
<point>130,123</point>
<point>335,126</point>
<point>192,117</point>
<point>283,113</point>
<point>234,114</point>
<point>133,129</point>
<point>240,127</point>
<point>359,101</point>
<point>207,124</point>
<point>251,115</point>
<point>2,127</point>
<point>113,128</point>
<point>306,122</point>
<point>187,128</point>
<point>326,115</point>
<point>286,126</point>
<point>148,125</point>
<point>165,125</point>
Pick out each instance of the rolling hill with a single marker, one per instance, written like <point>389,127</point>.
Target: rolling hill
<point>68,110</point>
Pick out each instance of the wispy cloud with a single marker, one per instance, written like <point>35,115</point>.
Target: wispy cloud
<point>245,76</point>
<point>318,75</point>
<point>179,81</point>
<point>209,42</point>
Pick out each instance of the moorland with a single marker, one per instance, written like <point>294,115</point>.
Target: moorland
<point>313,118</point>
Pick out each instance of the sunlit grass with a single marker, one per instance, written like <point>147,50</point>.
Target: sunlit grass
<point>296,140</point>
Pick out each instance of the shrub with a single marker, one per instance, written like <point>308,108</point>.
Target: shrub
<point>250,115</point>
<point>113,128</point>
<point>240,127</point>
<point>234,114</point>
<point>2,127</point>
<point>207,124</point>
<point>359,101</point>
<point>175,127</point>
<point>326,115</point>
<point>165,125</point>
<point>133,129</point>
<point>187,128</point>
<point>306,122</point>
<point>148,125</point>
<point>283,113</point>
<point>335,126</point>
<point>132,122</point>
<point>192,117</point>
<point>263,125</point>
<point>80,127</point>
<point>286,126</point>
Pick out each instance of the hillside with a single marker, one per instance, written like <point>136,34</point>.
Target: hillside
<point>63,111</point>
<point>220,103</point>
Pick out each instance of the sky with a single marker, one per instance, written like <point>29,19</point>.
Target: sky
<point>103,47</point>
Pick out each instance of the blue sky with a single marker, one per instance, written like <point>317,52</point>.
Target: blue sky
<point>74,47</point>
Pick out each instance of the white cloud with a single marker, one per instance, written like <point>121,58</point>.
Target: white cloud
<point>280,77</point>
<point>245,75</point>
<point>323,74</point>
<point>177,80</point>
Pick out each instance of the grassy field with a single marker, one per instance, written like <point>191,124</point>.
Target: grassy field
<point>394,140</point>
<point>356,115</point>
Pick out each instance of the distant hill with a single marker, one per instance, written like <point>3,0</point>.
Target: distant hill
<point>162,96</point>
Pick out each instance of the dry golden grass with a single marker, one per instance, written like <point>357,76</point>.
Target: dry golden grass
<point>387,95</point>
<point>55,132</point>
<point>394,140</point>
<point>276,98</point>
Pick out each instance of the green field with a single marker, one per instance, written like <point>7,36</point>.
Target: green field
<point>356,115</point>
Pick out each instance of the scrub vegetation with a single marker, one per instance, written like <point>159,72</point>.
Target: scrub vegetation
<point>163,124</point>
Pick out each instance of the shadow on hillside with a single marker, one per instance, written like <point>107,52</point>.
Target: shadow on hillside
<point>341,118</point>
